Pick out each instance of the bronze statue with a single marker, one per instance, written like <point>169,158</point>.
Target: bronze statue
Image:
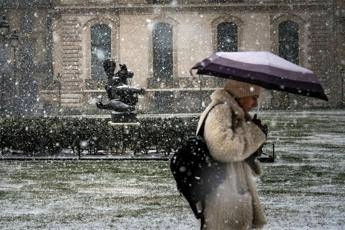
<point>122,97</point>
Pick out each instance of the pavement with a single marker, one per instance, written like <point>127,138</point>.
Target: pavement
<point>100,157</point>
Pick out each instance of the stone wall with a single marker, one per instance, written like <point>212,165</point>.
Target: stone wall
<point>32,58</point>
<point>70,42</point>
<point>322,43</point>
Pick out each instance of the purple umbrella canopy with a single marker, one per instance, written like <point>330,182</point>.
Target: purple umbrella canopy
<point>263,69</point>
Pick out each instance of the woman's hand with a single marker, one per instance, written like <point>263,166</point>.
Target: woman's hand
<point>258,122</point>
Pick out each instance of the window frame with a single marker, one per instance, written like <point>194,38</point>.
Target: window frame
<point>302,36</point>
<point>97,45</point>
<point>281,41</point>
<point>171,58</point>
<point>235,28</point>
<point>113,23</point>
<point>231,19</point>
<point>150,25</point>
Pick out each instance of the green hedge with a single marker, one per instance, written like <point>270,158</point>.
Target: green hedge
<point>51,135</point>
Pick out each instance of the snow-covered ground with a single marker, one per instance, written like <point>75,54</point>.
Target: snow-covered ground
<point>303,189</point>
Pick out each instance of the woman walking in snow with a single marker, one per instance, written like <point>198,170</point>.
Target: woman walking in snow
<point>233,137</point>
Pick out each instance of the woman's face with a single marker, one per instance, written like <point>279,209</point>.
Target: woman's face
<point>247,103</point>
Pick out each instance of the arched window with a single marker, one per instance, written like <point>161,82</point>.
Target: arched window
<point>162,40</point>
<point>227,37</point>
<point>100,49</point>
<point>288,41</point>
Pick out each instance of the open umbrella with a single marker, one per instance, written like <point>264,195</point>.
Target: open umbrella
<point>263,69</point>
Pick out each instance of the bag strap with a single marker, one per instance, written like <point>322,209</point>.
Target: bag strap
<point>200,132</point>
<point>201,123</point>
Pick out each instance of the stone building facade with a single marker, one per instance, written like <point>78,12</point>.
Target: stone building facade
<point>29,64</point>
<point>64,62</point>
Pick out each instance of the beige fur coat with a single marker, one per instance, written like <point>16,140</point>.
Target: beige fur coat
<point>232,139</point>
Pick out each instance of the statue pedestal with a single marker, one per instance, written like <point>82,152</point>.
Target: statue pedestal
<point>123,124</point>
<point>118,117</point>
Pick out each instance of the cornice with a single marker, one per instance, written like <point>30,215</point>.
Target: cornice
<point>207,8</point>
